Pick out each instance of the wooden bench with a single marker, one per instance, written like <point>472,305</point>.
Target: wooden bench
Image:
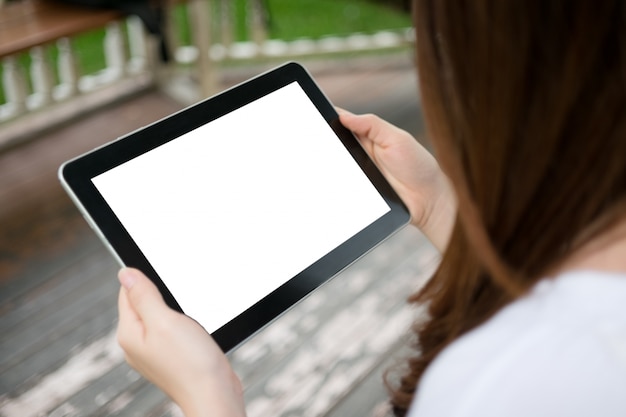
<point>29,23</point>
<point>36,94</point>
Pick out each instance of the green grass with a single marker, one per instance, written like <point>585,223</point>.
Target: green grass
<point>89,52</point>
<point>316,18</point>
<point>294,19</point>
<point>288,20</point>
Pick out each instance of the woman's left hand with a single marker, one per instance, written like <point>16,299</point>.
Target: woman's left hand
<point>174,352</point>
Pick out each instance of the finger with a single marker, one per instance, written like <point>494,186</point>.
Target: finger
<point>126,313</point>
<point>129,328</point>
<point>341,110</point>
<point>370,127</point>
<point>142,295</point>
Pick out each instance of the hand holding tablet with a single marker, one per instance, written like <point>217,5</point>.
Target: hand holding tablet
<point>241,205</point>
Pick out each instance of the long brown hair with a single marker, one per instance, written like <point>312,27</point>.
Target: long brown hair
<point>525,103</point>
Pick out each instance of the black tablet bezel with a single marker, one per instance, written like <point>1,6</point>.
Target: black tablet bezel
<point>77,174</point>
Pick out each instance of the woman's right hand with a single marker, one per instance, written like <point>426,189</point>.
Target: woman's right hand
<point>411,170</point>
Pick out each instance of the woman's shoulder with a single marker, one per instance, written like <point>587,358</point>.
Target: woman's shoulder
<point>560,349</point>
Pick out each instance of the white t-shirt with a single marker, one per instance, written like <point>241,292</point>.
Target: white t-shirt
<point>560,351</point>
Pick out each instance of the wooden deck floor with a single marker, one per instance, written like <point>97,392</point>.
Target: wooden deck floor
<point>58,355</point>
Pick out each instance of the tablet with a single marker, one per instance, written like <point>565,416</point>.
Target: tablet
<point>239,206</point>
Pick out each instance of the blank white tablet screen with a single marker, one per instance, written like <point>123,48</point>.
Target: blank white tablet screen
<point>232,210</point>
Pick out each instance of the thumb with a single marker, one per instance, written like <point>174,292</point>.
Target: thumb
<point>370,127</point>
<point>143,296</point>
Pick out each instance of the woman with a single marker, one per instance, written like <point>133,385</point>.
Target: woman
<point>525,103</point>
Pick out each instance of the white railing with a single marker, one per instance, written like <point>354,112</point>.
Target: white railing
<point>44,92</point>
<point>57,91</point>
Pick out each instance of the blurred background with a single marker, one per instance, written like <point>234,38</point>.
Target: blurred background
<point>76,74</point>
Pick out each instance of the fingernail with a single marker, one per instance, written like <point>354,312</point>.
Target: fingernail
<point>127,277</point>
